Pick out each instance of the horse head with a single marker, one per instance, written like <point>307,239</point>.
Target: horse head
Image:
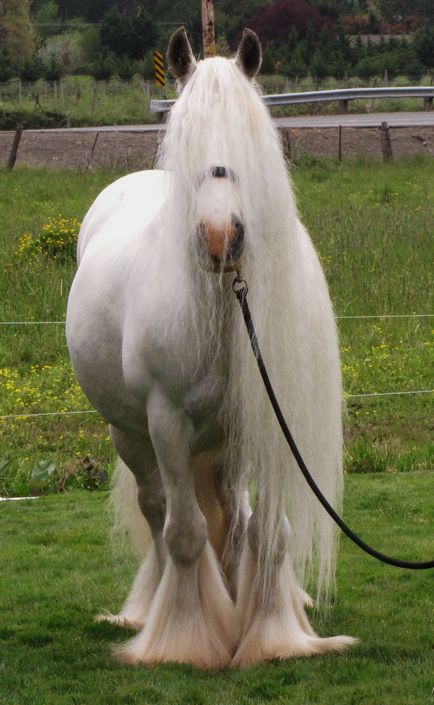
<point>220,226</point>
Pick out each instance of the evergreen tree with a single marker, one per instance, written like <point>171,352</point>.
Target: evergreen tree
<point>46,20</point>
<point>267,66</point>
<point>424,46</point>
<point>318,64</point>
<point>17,37</point>
<point>124,35</point>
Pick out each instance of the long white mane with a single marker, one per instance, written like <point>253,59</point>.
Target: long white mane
<point>220,119</point>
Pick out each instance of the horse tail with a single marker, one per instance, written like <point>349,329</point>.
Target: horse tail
<point>130,528</point>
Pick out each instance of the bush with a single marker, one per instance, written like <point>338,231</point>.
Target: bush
<point>6,71</point>
<point>32,69</point>
<point>57,242</point>
<point>424,46</point>
<point>9,119</point>
<point>53,69</point>
<point>104,68</point>
<point>363,457</point>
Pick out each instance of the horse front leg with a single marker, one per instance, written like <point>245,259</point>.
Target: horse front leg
<point>275,625</point>
<point>140,506</point>
<point>191,619</point>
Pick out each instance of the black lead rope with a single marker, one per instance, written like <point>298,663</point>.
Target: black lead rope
<point>240,289</point>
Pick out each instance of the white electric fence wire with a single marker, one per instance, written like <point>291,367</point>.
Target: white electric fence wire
<point>387,315</point>
<point>347,396</point>
<point>389,394</point>
<point>92,411</point>
<point>47,413</point>
<point>361,317</point>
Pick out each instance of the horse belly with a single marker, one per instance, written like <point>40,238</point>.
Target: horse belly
<point>95,349</point>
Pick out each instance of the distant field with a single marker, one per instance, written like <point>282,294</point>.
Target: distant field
<point>116,102</point>
<point>373,226</point>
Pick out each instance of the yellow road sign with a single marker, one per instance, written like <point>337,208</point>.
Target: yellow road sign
<point>159,68</point>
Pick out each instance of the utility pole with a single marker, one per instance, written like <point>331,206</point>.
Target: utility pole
<point>208,32</point>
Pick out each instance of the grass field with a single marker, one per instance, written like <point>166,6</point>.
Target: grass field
<point>116,102</point>
<point>373,226</point>
<point>58,572</point>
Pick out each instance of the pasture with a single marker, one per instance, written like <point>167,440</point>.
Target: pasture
<point>372,224</point>
<point>117,102</point>
<point>58,572</point>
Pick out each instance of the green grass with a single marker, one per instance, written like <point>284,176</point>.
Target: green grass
<point>117,102</point>
<point>373,227</point>
<point>58,572</point>
<point>87,101</point>
<point>372,224</point>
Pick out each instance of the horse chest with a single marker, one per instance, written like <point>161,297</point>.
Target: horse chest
<point>154,360</point>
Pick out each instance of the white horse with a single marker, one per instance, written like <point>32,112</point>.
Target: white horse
<point>159,346</point>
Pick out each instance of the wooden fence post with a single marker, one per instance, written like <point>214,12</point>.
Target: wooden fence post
<point>386,144</point>
<point>14,149</point>
<point>286,142</point>
<point>92,151</point>
<point>428,103</point>
<point>343,106</point>
<point>208,31</point>
<point>340,144</point>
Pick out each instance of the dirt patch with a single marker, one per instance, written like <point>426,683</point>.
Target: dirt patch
<point>6,139</point>
<point>357,141</point>
<point>134,150</point>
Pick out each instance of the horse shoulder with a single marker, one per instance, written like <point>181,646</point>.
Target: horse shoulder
<point>123,208</point>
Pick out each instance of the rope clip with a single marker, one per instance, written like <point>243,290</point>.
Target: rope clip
<point>239,286</point>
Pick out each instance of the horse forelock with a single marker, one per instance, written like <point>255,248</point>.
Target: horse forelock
<point>220,119</point>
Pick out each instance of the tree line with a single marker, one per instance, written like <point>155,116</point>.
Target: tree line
<point>48,38</point>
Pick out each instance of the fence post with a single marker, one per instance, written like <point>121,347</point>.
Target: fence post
<point>428,103</point>
<point>92,151</point>
<point>340,144</point>
<point>386,144</point>
<point>14,149</point>
<point>343,106</point>
<point>286,142</point>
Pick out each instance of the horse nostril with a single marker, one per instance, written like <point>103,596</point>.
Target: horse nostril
<point>237,243</point>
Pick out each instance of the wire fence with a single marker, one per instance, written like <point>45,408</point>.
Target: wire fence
<point>361,395</point>
<point>339,318</point>
<point>92,411</point>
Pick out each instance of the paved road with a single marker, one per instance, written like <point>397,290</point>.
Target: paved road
<point>419,119</point>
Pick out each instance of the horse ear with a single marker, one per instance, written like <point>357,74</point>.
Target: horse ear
<point>180,56</point>
<point>249,54</point>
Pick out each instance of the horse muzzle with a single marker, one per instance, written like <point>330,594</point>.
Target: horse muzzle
<point>221,247</point>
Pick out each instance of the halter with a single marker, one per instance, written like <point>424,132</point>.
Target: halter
<point>216,172</point>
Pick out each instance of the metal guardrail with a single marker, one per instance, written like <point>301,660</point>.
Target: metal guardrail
<point>341,95</point>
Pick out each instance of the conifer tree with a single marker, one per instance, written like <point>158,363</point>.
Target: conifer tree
<point>17,37</point>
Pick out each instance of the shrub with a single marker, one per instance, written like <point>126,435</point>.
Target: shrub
<point>57,242</point>
<point>53,69</point>
<point>9,119</point>
<point>32,69</point>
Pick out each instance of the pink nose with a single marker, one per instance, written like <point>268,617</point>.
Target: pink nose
<point>223,243</point>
